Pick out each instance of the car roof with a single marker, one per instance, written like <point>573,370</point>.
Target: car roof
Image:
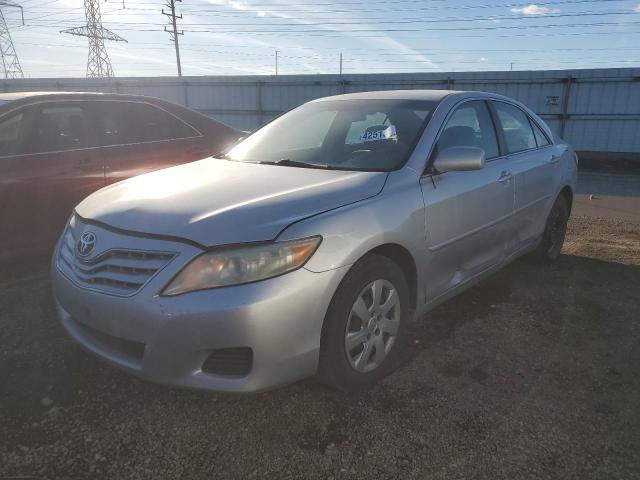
<point>9,96</point>
<point>428,95</point>
<point>16,96</point>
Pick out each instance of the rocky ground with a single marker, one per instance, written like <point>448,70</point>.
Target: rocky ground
<point>534,373</point>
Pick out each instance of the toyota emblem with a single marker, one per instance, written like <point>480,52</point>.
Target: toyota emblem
<point>86,244</point>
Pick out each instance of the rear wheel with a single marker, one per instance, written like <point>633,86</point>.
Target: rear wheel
<point>555,230</point>
<point>364,328</point>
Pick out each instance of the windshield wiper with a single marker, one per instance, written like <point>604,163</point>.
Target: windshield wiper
<point>286,162</point>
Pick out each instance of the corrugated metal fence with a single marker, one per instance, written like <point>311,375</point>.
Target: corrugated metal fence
<point>596,110</point>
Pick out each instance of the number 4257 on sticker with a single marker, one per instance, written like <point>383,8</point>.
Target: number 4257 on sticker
<point>388,133</point>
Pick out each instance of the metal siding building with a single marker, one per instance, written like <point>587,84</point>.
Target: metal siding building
<point>595,110</point>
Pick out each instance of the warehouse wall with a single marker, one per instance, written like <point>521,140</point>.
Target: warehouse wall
<point>596,110</point>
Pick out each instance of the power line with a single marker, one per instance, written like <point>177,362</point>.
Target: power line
<point>327,32</point>
<point>311,31</point>
<point>154,45</point>
<point>203,9</point>
<point>10,62</point>
<point>444,4</point>
<point>330,59</point>
<point>326,22</point>
<point>377,21</point>
<point>215,9</point>
<point>364,26</point>
<point>380,51</point>
<point>174,31</point>
<point>380,32</point>
<point>366,21</point>
<point>98,63</point>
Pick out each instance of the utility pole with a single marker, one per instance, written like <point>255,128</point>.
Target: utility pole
<point>340,65</point>
<point>171,5</point>
<point>276,63</point>
<point>511,66</point>
<point>10,62</point>
<point>98,63</point>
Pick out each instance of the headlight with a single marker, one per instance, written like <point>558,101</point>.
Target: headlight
<point>237,265</point>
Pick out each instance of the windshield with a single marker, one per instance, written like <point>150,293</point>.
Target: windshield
<point>373,135</point>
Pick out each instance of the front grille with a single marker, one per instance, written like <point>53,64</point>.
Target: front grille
<point>116,271</point>
<point>231,362</point>
<point>127,348</point>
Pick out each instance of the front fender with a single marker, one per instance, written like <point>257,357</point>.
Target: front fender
<point>395,216</point>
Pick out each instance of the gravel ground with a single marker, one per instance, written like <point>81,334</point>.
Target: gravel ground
<point>534,373</point>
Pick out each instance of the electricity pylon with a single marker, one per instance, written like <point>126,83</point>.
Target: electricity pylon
<point>98,64</point>
<point>10,62</point>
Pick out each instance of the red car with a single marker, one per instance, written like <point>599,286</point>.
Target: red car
<point>57,148</point>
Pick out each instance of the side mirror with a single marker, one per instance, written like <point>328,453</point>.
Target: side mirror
<point>459,159</point>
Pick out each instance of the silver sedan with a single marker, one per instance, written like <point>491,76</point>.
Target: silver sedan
<point>311,245</point>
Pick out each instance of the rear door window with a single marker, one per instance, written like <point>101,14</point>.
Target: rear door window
<point>152,124</point>
<point>517,131</point>
<point>127,123</point>
<point>541,138</point>
<point>57,127</point>
<point>11,133</point>
<point>470,126</point>
<point>114,123</point>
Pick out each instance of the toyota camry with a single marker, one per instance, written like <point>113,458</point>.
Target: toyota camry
<point>309,247</point>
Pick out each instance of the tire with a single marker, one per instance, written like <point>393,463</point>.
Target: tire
<point>554,232</point>
<point>361,366</point>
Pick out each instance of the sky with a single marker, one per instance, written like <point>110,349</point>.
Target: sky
<point>241,37</point>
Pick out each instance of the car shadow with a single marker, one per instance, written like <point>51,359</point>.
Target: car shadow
<point>46,370</point>
<point>560,336</point>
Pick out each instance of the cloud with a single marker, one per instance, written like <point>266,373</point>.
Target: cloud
<point>306,14</point>
<point>637,9</point>
<point>237,5</point>
<point>534,9</point>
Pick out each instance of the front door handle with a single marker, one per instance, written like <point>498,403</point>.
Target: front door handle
<point>555,158</point>
<point>505,176</point>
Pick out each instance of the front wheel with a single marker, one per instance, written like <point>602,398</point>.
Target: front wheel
<point>365,325</point>
<point>555,230</point>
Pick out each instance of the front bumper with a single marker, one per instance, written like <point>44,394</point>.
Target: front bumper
<point>167,339</point>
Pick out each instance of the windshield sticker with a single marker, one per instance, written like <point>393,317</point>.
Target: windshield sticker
<point>388,133</point>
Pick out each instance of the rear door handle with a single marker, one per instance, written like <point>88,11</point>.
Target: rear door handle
<point>555,158</point>
<point>505,176</point>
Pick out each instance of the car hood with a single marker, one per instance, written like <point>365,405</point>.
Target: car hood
<point>216,202</point>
